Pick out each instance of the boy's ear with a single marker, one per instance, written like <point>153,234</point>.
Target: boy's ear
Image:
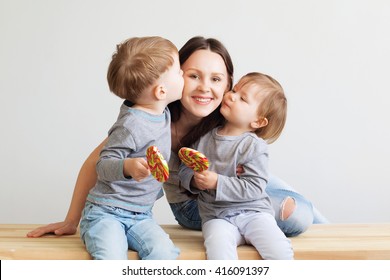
<point>261,122</point>
<point>160,92</point>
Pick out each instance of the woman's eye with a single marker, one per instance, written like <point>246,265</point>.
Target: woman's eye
<point>194,76</point>
<point>216,79</point>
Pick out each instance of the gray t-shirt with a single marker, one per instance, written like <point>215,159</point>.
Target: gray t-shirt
<point>233,194</point>
<point>130,136</point>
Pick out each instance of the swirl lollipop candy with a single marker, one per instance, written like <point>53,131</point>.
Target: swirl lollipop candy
<point>194,159</point>
<point>157,164</point>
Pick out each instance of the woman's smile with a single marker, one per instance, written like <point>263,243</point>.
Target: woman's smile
<point>202,100</point>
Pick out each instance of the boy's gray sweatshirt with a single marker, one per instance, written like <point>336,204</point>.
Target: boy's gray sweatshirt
<point>233,194</point>
<point>130,136</point>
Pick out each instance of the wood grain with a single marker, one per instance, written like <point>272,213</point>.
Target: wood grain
<point>320,242</point>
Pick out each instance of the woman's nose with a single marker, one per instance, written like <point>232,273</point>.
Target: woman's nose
<point>204,86</point>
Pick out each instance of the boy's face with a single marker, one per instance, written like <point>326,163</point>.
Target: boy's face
<point>240,106</point>
<point>173,80</point>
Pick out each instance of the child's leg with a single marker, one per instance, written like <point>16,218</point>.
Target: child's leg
<point>151,241</point>
<point>103,235</point>
<point>261,230</point>
<point>221,239</point>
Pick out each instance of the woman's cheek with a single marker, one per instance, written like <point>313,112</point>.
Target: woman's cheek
<point>220,93</point>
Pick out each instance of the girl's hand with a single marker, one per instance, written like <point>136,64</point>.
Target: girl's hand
<point>60,228</point>
<point>137,168</point>
<point>206,180</point>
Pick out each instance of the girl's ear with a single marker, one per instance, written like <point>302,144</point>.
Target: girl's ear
<point>259,123</point>
<point>160,92</point>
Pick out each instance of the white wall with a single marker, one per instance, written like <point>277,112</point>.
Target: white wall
<point>332,57</point>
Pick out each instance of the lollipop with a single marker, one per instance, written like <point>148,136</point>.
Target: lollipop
<point>194,159</point>
<point>157,164</point>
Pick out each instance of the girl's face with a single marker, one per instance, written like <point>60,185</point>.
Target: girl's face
<point>240,107</point>
<point>205,82</point>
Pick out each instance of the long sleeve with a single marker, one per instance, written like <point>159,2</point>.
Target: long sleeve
<point>110,165</point>
<point>251,184</point>
<point>186,174</point>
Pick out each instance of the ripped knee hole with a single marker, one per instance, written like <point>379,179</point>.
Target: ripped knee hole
<point>287,208</point>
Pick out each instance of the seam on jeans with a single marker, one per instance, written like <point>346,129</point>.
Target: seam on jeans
<point>139,240</point>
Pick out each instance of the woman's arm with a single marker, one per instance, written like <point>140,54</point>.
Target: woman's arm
<point>86,180</point>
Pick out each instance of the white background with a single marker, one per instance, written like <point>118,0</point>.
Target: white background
<point>332,57</point>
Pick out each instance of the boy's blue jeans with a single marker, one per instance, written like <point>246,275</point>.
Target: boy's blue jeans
<point>109,232</point>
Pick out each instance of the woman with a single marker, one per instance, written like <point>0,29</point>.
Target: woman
<point>208,74</point>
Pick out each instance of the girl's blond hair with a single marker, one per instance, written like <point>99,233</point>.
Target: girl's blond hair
<point>273,106</point>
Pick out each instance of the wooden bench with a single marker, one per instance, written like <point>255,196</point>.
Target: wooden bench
<point>320,242</point>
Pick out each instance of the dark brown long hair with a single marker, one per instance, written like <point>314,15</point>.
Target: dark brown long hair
<point>215,118</point>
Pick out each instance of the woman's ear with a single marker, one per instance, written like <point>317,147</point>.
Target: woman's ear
<point>261,122</point>
<point>160,92</point>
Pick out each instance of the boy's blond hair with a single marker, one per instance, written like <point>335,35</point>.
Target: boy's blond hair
<point>273,106</point>
<point>137,64</point>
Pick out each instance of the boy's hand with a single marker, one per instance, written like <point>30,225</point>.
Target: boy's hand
<point>206,180</point>
<point>137,168</point>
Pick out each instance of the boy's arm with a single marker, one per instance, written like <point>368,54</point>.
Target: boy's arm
<point>114,164</point>
<point>136,168</point>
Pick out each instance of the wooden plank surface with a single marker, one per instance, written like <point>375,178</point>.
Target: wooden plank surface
<point>320,242</point>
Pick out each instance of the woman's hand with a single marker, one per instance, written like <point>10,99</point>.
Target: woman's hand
<point>239,170</point>
<point>60,228</point>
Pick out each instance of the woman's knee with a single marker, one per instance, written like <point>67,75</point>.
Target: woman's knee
<point>294,216</point>
<point>287,208</point>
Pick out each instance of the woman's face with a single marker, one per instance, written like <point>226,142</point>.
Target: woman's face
<point>205,82</point>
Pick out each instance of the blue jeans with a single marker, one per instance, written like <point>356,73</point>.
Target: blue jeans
<point>187,215</point>
<point>109,232</point>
